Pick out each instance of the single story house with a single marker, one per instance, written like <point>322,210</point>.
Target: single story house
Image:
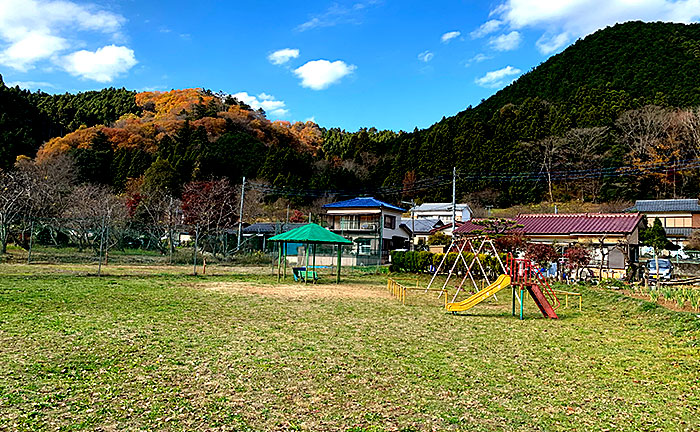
<point>255,236</point>
<point>420,228</point>
<point>617,234</point>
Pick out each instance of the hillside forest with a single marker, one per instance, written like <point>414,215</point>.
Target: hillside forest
<point>616,116</point>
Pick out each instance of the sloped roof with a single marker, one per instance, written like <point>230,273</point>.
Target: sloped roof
<point>425,207</point>
<point>567,224</point>
<point>310,233</point>
<point>679,232</point>
<point>421,225</point>
<point>270,227</point>
<point>667,205</point>
<point>361,202</point>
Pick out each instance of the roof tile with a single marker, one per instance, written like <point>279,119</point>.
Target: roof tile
<point>566,224</point>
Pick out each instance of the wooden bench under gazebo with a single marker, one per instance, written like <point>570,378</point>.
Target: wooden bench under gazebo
<point>310,235</point>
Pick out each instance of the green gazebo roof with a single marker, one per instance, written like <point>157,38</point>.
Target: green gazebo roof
<point>310,233</point>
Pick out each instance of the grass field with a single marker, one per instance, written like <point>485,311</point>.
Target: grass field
<point>236,351</point>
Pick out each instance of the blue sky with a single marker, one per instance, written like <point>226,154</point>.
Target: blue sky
<point>350,64</point>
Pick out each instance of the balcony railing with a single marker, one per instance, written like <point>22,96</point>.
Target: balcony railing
<point>357,226</point>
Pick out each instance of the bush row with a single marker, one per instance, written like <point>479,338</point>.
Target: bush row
<point>418,262</point>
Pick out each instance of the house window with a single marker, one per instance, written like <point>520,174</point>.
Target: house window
<point>678,222</point>
<point>390,222</point>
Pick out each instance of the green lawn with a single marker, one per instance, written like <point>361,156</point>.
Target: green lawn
<point>167,352</point>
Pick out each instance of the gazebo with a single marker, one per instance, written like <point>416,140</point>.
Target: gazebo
<point>310,235</point>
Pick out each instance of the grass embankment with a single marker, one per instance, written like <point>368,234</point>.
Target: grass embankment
<point>237,352</point>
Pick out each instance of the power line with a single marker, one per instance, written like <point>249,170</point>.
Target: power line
<point>446,179</point>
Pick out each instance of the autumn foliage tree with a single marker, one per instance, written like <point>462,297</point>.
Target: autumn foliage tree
<point>577,258</point>
<point>542,254</point>
<point>511,243</point>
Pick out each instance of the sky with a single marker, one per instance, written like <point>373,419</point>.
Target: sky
<point>387,64</point>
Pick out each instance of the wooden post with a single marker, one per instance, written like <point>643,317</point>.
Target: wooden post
<point>31,232</point>
<point>284,255</point>
<point>196,239</point>
<point>102,237</point>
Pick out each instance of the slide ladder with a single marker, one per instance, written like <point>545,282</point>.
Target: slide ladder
<point>500,283</point>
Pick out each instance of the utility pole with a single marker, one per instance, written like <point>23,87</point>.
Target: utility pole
<point>240,216</point>
<point>413,222</point>
<point>454,200</point>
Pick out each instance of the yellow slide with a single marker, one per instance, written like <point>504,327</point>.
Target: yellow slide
<point>502,282</point>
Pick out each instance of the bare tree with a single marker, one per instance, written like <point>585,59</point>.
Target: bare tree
<point>13,200</point>
<point>583,152</point>
<point>653,137</point>
<point>49,181</point>
<point>547,154</point>
<point>210,207</point>
<point>91,210</point>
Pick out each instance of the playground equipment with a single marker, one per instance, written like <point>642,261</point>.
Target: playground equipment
<point>518,273</point>
<point>527,277</point>
<point>503,281</point>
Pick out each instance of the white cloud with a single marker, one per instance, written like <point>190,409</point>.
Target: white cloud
<point>36,30</point>
<point>481,57</point>
<point>102,65</point>
<point>498,78</point>
<point>265,101</point>
<point>283,56</point>
<point>34,85</point>
<point>320,74</point>
<point>506,42</point>
<point>338,14</point>
<point>311,119</point>
<point>547,44</point>
<point>578,18</point>
<point>425,56</point>
<point>32,47</point>
<point>445,38</point>
<point>486,28</point>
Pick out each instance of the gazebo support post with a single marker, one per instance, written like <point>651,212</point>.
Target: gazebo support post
<point>306,268</point>
<point>340,251</point>
<point>279,262</point>
<point>314,264</point>
<point>285,260</point>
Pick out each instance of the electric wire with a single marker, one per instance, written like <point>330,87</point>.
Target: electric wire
<point>498,177</point>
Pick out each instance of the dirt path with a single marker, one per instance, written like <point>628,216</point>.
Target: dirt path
<point>297,290</point>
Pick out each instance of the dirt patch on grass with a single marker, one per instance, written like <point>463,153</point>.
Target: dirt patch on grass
<point>297,290</point>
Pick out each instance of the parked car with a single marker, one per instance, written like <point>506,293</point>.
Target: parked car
<point>665,268</point>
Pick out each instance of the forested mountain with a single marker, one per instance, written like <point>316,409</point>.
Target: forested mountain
<point>626,96</point>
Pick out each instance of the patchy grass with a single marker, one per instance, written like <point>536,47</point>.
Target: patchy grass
<point>239,352</point>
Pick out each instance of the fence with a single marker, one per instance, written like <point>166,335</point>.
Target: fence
<point>399,291</point>
<point>100,241</point>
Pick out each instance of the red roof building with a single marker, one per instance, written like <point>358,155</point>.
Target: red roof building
<point>617,232</point>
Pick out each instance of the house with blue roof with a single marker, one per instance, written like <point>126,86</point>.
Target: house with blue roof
<point>373,226</point>
<point>680,217</point>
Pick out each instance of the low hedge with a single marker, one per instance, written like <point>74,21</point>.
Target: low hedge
<point>421,261</point>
